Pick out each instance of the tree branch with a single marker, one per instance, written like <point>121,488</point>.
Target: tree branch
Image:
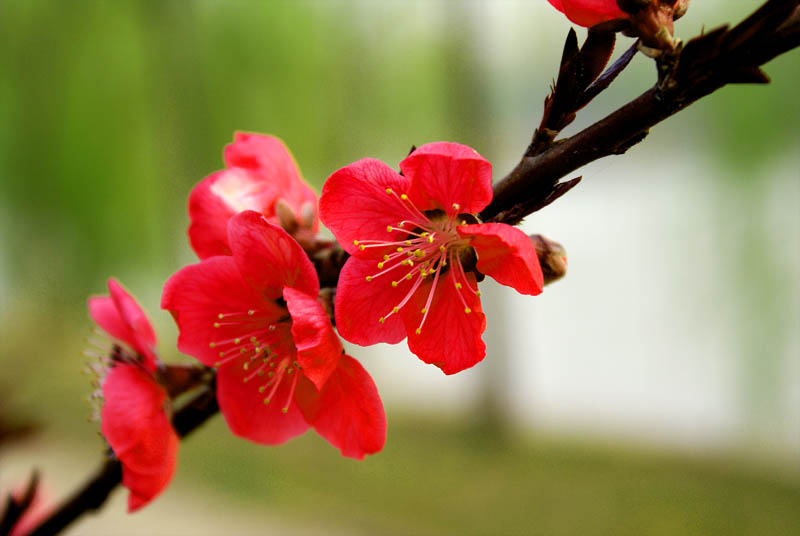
<point>707,63</point>
<point>93,494</point>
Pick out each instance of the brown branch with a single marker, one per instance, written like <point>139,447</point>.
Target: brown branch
<point>93,494</point>
<point>704,65</point>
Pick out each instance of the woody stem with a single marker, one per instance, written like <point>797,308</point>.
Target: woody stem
<point>94,492</point>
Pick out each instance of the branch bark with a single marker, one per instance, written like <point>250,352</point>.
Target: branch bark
<point>704,65</point>
<point>93,494</point>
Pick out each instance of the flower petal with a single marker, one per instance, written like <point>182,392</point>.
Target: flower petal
<point>269,157</point>
<point>507,255</point>
<point>139,432</point>
<point>443,174</point>
<point>318,347</point>
<point>144,337</point>
<point>242,404</point>
<point>589,12</point>
<point>268,258</point>
<point>359,304</point>
<point>348,411</point>
<point>197,294</point>
<point>355,205</point>
<point>450,338</point>
<point>217,198</point>
<point>121,317</point>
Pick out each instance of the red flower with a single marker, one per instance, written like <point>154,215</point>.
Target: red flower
<point>281,368</point>
<point>260,172</point>
<point>134,420</point>
<point>418,251</point>
<point>589,12</point>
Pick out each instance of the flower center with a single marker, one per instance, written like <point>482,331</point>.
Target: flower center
<point>427,246</point>
<point>252,339</point>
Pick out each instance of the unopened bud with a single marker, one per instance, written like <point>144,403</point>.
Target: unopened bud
<point>552,258</point>
<point>286,216</point>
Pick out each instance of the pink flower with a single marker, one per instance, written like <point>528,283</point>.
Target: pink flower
<point>418,250</point>
<point>589,12</point>
<point>260,174</point>
<point>134,417</point>
<point>280,366</point>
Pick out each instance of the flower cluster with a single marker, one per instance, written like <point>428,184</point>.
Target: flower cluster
<point>251,309</point>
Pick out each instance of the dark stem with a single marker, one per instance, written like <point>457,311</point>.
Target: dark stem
<point>93,494</point>
<point>706,64</point>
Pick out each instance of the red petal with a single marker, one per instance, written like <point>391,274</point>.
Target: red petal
<point>354,204</point>
<point>245,412</point>
<point>271,160</point>
<point>318,347</point>
<point>450,338</point>
<point>197,294</point>
<point>445,173</point>
<point>135,317</point>
<point>348,411</point>
<point>589,12</point>
<point>360,304</point>
<point>140,434</point>
<point>268,258</point>
<point>507,255</point>
<point>220,196</point>
<point>121,317</point>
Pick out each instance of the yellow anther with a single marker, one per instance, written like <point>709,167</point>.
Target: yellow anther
<point>395,283</point>
<point>369,278</point>
<point>426,233</point>
<point>458,286</point>
<point>442,248</point>
<point>242,351</point>
<point>478,293</point>
<point>245,379</point>
<point>355,242</point>
<point>253,339</point>
<point>463,222</point>
<point>389,191</point>
<point>362,247</point>
<point>386,257</point>
<point>395,309</point>
<point>220,316</point>
<point>403,197</point>
<point>380,266</point>
<point>222,354</point>
<point>408,242</point>
<point>419,253</point>
<point>212,345</point>
<point>408,276</point>
<point>389,228</point>
<point>218,364</point>
<point>467,310</point>
<point>266,401</point>
<point>399,249</point>
<point>285,410</point>
<point>418,331</point>
<point>237,340</point>
<point>262,388</point>
<point>424,310</point>
<point>216,324</point>
<point>430,239</point>
<point>251,312</point>
<point>246,365</point>
<point>261,372</point>
<point>272,327</point>
<point>381,320</point>
<point>456,206</point>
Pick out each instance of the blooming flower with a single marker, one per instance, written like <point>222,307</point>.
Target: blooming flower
<point>418,250</point>
<point>134,417</point>
<point>589,12</point>
<point>280,366</point>
<point>260,174</point>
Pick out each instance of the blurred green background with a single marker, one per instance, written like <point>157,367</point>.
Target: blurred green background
<point>112,111</point>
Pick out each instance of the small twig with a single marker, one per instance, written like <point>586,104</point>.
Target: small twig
<point>93,494</point>
<point>706,64</point>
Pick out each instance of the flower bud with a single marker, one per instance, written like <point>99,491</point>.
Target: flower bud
<point>552,258</point>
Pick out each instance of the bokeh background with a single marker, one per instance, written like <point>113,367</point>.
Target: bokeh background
<point>655,390</point>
